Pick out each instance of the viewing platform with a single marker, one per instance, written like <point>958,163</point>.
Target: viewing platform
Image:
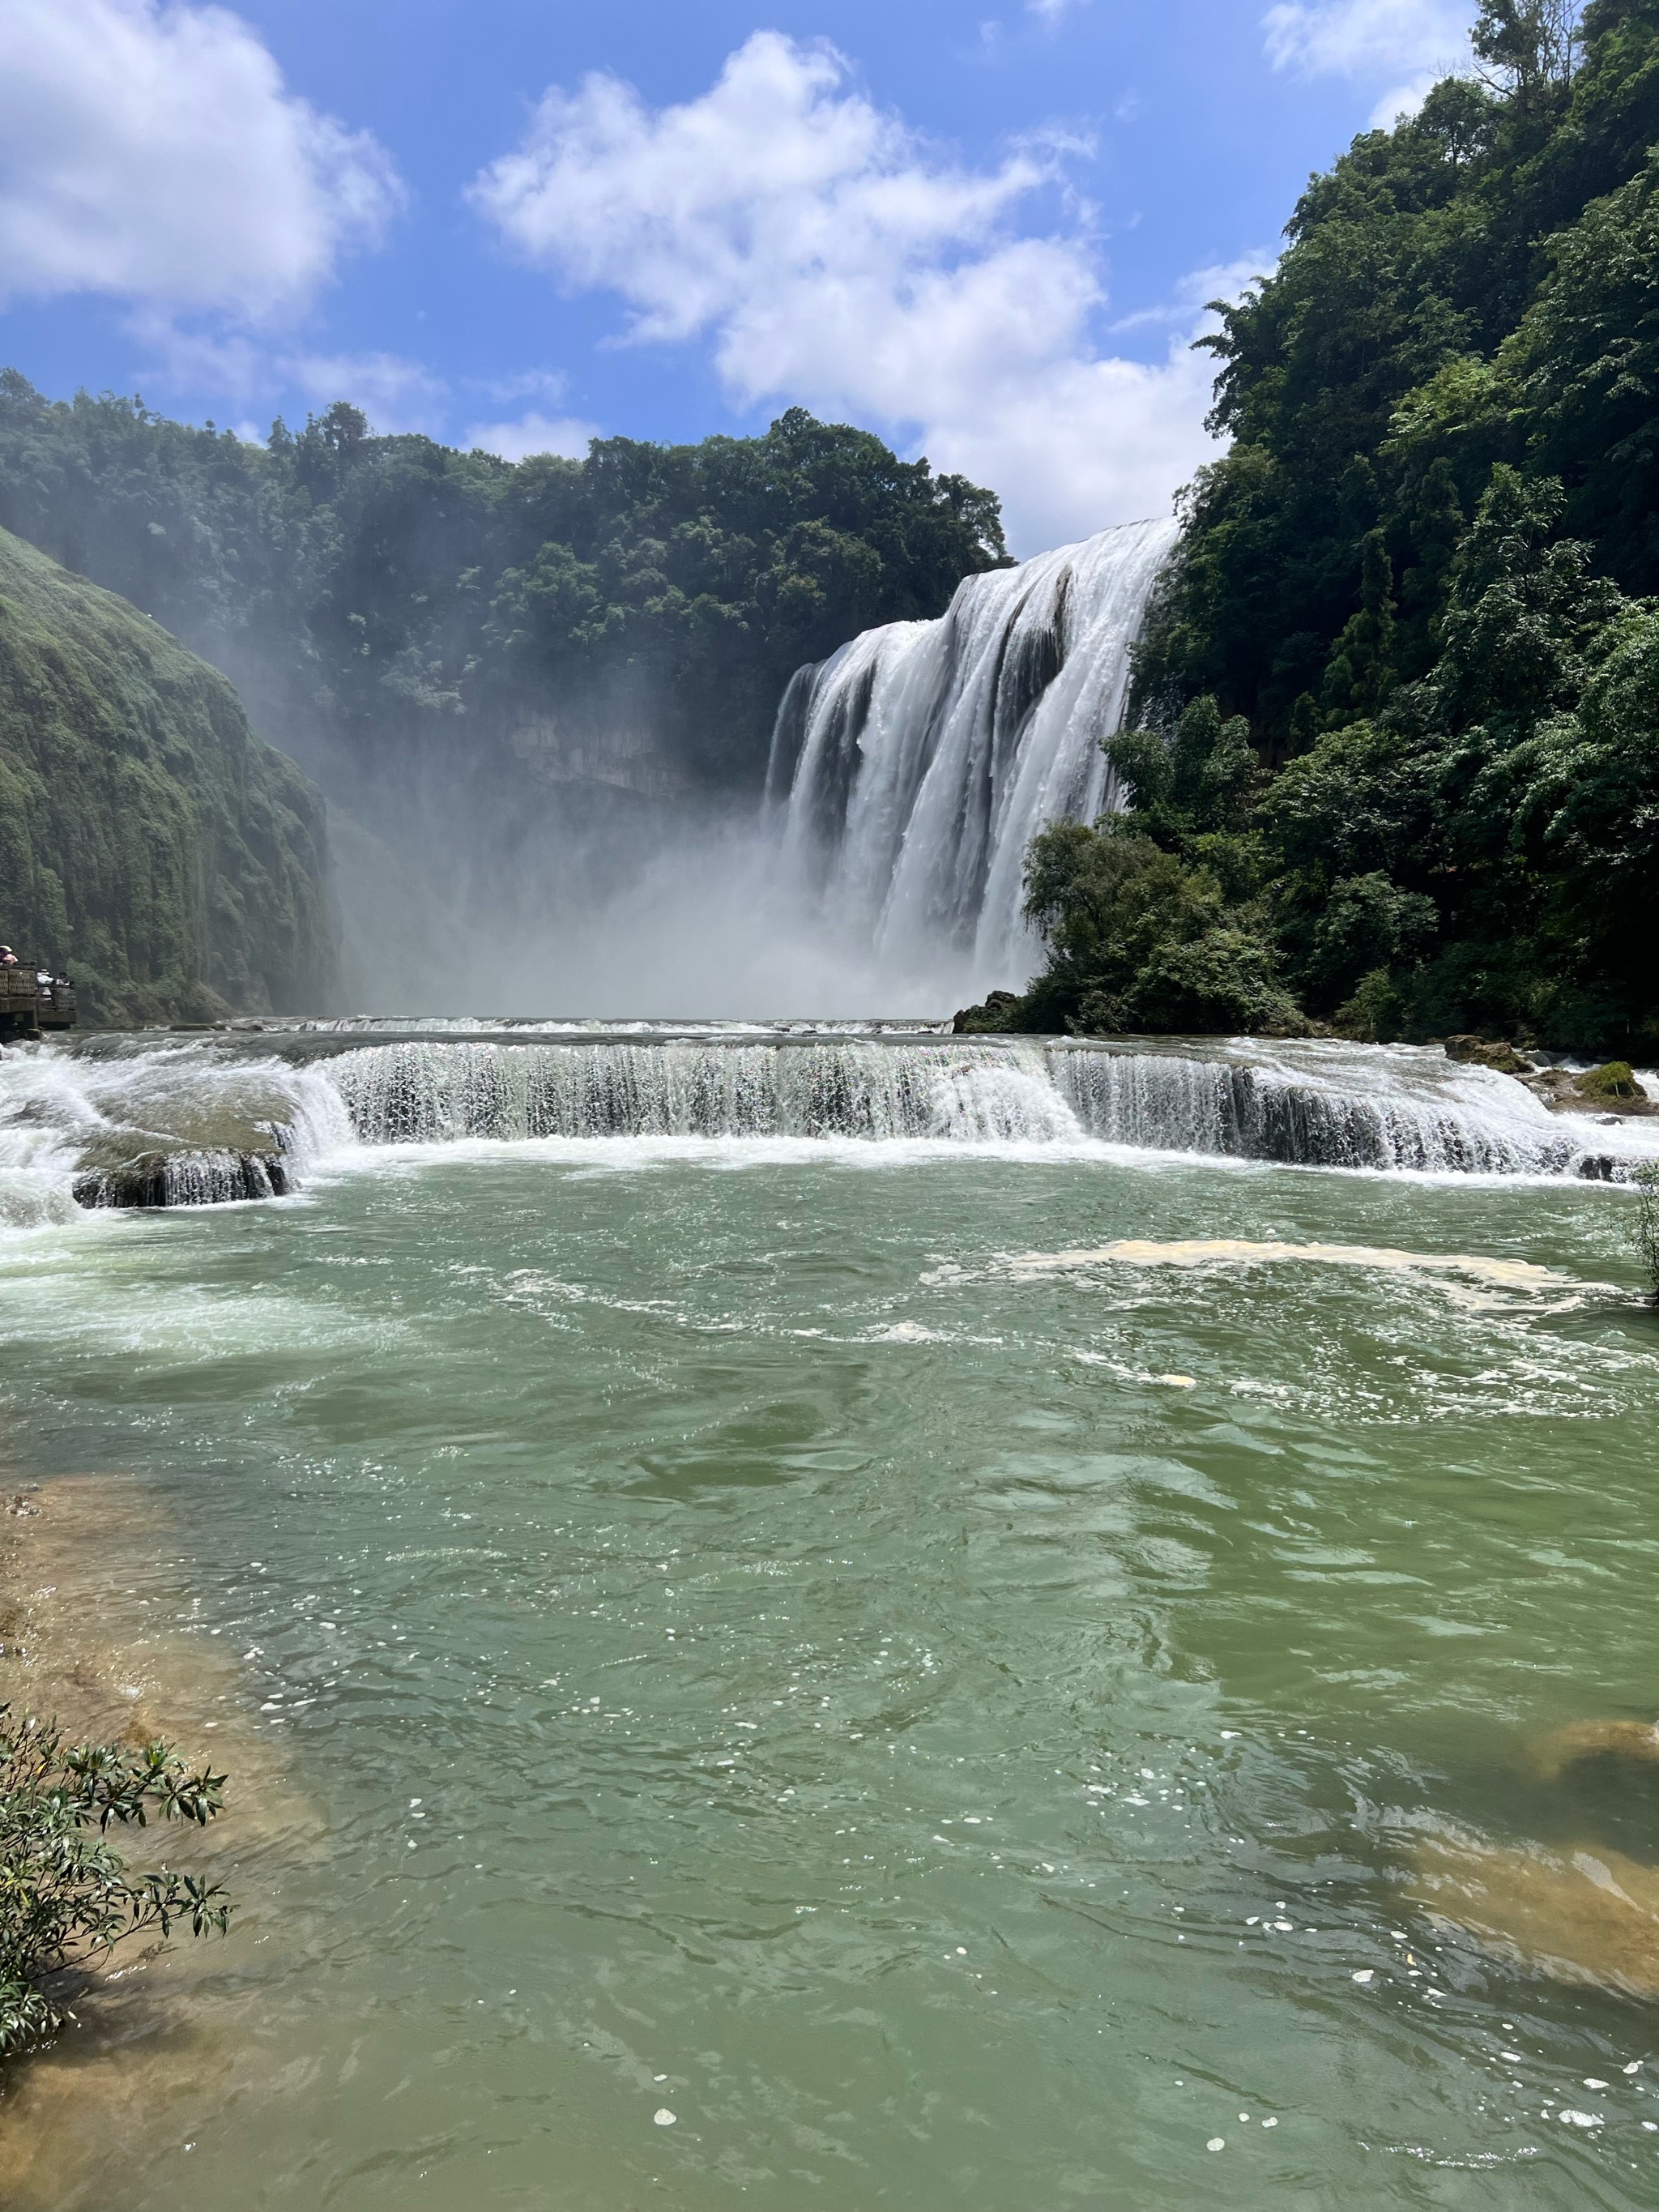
<point>29,1007</point>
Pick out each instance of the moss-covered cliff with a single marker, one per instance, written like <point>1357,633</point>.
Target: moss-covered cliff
<point>150,843</point>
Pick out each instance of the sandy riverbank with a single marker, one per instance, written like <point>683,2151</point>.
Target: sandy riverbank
<point>97,1631</point>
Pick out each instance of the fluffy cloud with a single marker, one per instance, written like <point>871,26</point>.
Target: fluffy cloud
<point>532,434</point>
<point>1406,44</point>
<point>833,258</point>
<point>152,152</point>
<point>395,394</point>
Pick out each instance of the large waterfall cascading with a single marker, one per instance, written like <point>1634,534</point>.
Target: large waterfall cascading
<point>916,764</point>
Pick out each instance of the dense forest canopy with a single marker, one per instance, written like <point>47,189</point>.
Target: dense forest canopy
<point>1401,681</point>
<point>399,596</point>
<point>149,839</point>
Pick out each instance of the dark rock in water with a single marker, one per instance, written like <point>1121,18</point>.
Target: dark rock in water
<point>986,1020</point>
<point>185,1179</point>
<point>1482,1052</point>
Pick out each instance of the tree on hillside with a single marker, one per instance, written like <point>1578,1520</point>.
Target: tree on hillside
<point>394,593</point>
<point>1418,586</point>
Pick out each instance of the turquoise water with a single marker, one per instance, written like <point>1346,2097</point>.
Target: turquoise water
<point>948,1726</point>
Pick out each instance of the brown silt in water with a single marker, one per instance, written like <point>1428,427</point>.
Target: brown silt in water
<point>1587,1914</point>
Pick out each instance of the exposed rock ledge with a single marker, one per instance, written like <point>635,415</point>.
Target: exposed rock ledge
<point>1610,1090</point>
<point>210,1178</point>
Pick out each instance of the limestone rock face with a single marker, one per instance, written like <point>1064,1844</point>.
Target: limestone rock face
<point>151,846</point>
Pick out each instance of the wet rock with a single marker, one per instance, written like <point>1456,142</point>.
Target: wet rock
<point>1611,1093</point>
<point>1484,1052</point>
<point>158,1179</point>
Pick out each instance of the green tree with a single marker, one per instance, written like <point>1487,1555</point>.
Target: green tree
<point>1451,381</point>
<point>380,601</point>
<point>1360,672</point>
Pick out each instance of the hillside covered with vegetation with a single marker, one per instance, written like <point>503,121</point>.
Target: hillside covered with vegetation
<point>1400,761</point>
<point>150,842</point>
<point>388,600</point>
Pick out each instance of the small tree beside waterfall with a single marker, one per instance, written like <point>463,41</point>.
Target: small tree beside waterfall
<point>1157,919</point>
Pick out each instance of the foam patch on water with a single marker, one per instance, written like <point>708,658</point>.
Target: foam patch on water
<point>591,1157</point>
<point>1523,1275</point>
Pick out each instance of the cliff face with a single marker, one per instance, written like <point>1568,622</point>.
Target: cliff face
<point>151,844</point>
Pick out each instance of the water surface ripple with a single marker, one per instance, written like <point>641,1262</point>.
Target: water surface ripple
<point>822,1645</point>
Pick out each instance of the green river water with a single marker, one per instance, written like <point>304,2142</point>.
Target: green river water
<point>947,1726</point>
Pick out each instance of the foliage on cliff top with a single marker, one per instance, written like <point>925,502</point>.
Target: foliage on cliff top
<point>66,1898</point>
<point>1419,578</point>
<point>150,842</point>
<point>399,593</point>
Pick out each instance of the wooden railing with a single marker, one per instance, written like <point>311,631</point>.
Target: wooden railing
<point>28,1005</point>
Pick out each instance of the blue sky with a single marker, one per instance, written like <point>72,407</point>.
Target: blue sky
<point>988,232</point>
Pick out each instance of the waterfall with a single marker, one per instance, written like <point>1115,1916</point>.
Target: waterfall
<point>1406,1111</point>
<point>163,1124</point>
<point>120,1123</point>
<point>1240,1112</point>
<point>422,1093</point>
<point>915,765</point>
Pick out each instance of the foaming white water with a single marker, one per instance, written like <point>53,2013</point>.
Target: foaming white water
<point>1339,1106</point>
<point>966,1092</point>
<point>663,1028</point>
<point>1234,1251</point>
<point>198,1125</point>
<point>160,1122</point>
<point>916,764</point>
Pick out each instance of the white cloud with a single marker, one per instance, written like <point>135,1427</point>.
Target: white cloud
<point>532,434</point>
<point>1053,13</point>
<point>546,384</point>
<point>833,258</point>
<point>1406,44</point>
<point>152,152</point>
<point>395,394</point>
<point>1192,293</point>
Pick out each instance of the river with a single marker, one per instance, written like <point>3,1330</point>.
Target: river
<point>961,1660</point>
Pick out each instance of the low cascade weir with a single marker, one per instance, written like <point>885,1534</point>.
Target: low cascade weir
<point>122,1122</point>
<point>146,1125</point>
<point>421,1093</point>
<point>1178,1105</point>
<point>915,765</point>
<point>1334,1107</point>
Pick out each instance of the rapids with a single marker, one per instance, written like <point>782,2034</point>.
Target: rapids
<point>166,1121</point>
<point>951,1660</point>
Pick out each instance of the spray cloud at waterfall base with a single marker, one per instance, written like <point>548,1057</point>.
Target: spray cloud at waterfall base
<point>883,874</point>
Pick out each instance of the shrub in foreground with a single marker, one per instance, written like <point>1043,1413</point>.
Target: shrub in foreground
<point>66,1898</point>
